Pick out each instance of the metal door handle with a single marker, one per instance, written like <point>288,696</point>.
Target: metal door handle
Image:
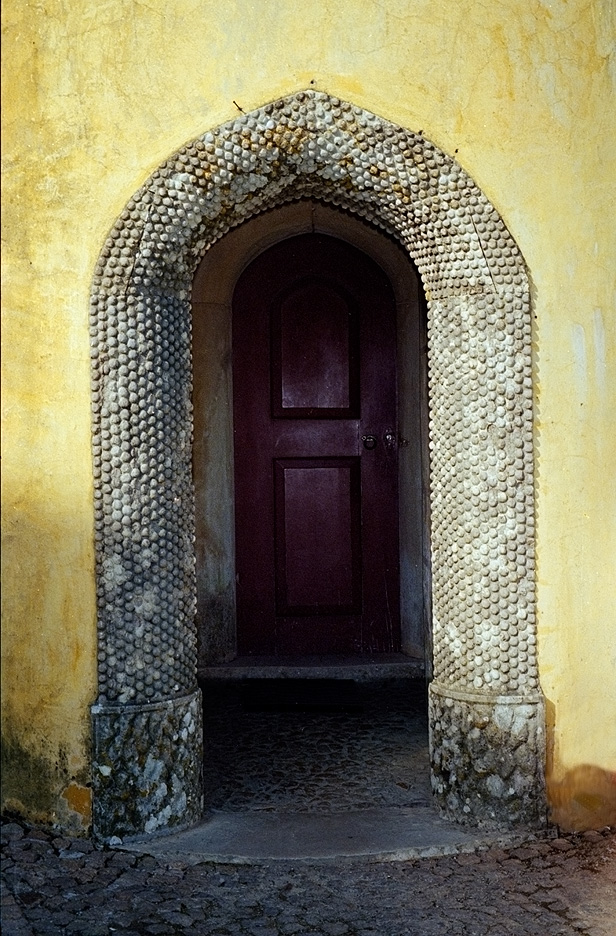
<point>369,442</point>
<point>390,439</point>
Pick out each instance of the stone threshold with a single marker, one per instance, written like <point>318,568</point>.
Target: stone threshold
<point>379,834</point>
<point>362,668</point>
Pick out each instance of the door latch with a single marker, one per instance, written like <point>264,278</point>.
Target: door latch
<point>390,437</point>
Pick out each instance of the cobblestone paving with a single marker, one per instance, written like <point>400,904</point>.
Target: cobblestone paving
<point>553,887</point>
<point>320,761</point>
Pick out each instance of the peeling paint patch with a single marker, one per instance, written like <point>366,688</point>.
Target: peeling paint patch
<point>79,798</point>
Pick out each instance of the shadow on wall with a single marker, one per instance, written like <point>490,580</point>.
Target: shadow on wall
<point>585,798</point>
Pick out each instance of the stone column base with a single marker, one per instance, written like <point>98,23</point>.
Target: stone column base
<point>487,756</point>
<point>147,766</point>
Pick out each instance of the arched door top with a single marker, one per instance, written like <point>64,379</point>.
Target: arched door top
<point>313,145</point>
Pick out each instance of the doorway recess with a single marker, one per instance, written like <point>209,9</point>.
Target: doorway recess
<point>486,713</point>
<point>213,290</point>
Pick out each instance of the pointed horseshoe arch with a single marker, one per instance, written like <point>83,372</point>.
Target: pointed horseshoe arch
<point>486,712</point>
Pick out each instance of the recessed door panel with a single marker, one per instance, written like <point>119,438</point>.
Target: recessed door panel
<point>318,536</point>
<point>314,353</point>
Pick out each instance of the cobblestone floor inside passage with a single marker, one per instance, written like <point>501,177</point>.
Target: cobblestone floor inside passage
<point>322,751</point>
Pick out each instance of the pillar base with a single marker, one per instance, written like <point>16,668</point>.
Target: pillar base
<point>147,769</point>
<point>487,757</point>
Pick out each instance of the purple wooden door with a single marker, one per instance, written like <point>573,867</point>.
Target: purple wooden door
<point>316,474</point>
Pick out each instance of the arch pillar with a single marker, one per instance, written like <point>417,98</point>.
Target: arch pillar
<point>486,716</point>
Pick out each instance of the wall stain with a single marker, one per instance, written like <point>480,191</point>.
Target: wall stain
<point>585,798</point>
<point>79,798</point>
<point>42,791</point>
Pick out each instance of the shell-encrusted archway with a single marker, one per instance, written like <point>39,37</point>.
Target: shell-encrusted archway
<point>486,714</point>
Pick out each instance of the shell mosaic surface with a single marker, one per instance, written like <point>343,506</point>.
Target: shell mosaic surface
<point>310,145</point>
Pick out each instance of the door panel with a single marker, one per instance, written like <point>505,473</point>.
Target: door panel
<point>315,339</point>
<point>316,508</point>
<point>318,536</point>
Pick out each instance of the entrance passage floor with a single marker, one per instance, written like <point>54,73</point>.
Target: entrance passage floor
<point>316,769</point>
<point>315,745</point>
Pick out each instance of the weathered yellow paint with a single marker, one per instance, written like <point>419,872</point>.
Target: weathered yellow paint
<point>97,94</point>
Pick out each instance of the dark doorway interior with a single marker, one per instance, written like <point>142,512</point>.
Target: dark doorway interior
<point>308,705</point>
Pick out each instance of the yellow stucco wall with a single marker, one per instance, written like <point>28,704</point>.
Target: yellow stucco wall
<point>97,94</point>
